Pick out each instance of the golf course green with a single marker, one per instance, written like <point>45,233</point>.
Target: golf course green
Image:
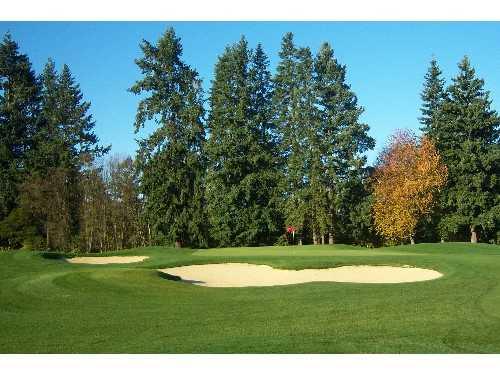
<point>48,305</point>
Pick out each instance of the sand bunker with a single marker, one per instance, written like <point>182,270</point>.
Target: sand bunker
<point>243,274</point>
<point>107,260</point>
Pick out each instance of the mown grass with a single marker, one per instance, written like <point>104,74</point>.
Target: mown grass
<point>51,306</point>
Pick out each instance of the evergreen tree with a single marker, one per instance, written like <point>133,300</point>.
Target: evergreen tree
<point>293,102</point>
<point>242,175</point>
<point>359,227</point>
<point>283,102</point>
<point>432,96</point>
<point>19,113</point>
<point>467,136</point>
<point>49,142</point>
<point>322,141</point>
<point>344,139</point>
<point>309,149</point>
<point>264,179</point>
<point>65,138</point>
<point>170,160</point>
<point>63,143</point>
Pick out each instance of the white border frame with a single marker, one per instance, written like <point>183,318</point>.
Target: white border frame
<point>240,10</point>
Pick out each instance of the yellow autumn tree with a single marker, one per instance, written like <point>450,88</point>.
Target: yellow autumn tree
<point>407,178</point>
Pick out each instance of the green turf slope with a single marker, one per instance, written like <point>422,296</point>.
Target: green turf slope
<point>51,306</point>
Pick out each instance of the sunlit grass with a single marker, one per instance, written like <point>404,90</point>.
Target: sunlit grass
<point>51,306</point>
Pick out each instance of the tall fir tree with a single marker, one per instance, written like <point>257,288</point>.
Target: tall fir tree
<point>467,136</point>
<point>65,136</point>
<point>293,103</point>
<point>309,150</point>
<point>323,142</point>
<point>283,103</point>
<point>49,142</point>
<point>75,124</point>
<point>171,160</point>
<point>264,179</point>
<point>19,115</point>
<point>433,95</point>
<point>63,144</point>
<point>344,139</point>
<point>242,177</point>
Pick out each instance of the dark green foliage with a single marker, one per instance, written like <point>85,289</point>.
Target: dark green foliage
<point>46,138</point>
<point>295,113</point>
<point>282,151</point>
<point>63,145</point>
<point>344,139</point>
<point>65,138</point>
<point>19,114</point>
<point>427,229</point>
<point>322,141</point>
<point>432,97</point>
<point>467,136</point>
<point>354,221</point>
<point>19,229</point>
<point>170,161</point>
<point>242,178</point>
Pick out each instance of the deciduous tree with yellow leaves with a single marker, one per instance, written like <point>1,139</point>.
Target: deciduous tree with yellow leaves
<point>408,175</point>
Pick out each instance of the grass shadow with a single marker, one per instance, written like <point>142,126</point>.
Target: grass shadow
<point>170,277</point>
<point>53,255</point>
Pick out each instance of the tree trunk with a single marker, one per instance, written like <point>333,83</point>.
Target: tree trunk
<point>300,241</point>
<point>330,238</point>
<point>149,235</point>
<point>442,240</point>
<point>178,244</point>
<point>48,238</point>
<point>322,239</point>
<point>315,238</point>
<point>473,234</point>
<point>412,240</point>
<point>90,241</point>
<point>115,236</point>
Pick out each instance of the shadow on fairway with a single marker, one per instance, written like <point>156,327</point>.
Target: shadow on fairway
<point>167,276</point>
<point>53,255</point>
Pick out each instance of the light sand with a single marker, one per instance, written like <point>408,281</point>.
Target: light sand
<point>243,274</point>
<point>107,260</point>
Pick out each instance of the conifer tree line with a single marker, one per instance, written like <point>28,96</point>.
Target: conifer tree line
<point>465,130</point>
<point>272,152</point>
<point>53,194</point>
<point>261,158</point>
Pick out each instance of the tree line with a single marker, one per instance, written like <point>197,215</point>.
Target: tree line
<point>53,194</point>
<point>266,159</point>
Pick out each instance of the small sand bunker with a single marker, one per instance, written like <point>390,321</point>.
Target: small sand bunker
<point>243,274</point>
<point>107,260</point>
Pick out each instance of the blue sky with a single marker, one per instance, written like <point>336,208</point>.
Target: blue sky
<point>386,61</point>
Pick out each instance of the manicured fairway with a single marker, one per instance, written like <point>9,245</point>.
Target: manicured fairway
<point>51,306</point>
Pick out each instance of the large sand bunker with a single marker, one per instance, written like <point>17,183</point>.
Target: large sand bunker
<point>243,274</point>
<point>107,260</point>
